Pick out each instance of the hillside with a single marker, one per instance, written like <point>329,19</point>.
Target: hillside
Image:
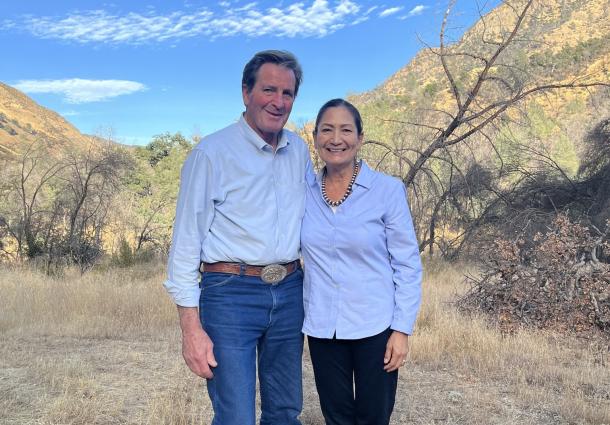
<point>22,121</point>
<point>559,41</point>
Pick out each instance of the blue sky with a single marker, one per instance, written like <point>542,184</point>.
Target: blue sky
<point>142,68</point>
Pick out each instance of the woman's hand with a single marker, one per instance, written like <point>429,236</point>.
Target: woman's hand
<point>396,351</point>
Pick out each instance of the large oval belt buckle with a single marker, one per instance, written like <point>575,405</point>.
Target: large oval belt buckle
<point>273,273</point>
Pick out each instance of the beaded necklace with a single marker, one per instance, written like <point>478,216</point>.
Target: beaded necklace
<point>348,191</point>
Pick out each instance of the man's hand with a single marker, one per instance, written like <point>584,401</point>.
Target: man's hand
<point>396,351</point>
<point>197,347</point>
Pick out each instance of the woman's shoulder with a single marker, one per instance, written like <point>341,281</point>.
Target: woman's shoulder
<point>383,180</point>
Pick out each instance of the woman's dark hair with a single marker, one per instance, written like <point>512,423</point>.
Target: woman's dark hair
<point>335,103</point>
<point>278,57</point>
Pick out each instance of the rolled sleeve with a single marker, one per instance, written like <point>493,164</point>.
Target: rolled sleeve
<point>405,260</point>
<point>194,214</point>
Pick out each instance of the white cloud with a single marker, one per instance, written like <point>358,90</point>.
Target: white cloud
<point>318,19</point>
<point>390,11</point>
<point>360,20</point>
<point>246,7</point>
<point>7,25</point>
<point>417,10</point>
<point>77,90</point>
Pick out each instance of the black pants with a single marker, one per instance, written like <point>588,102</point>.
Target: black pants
<point>338,364</point>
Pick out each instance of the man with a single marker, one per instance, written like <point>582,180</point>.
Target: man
<point>239,211</point>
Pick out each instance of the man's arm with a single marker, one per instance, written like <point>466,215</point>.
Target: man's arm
<point>197,347</point>
<point>194,212</point>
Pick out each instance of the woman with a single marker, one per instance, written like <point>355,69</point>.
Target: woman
<point>362,285</point>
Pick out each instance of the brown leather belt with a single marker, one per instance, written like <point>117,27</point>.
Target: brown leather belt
<point>272,273</point>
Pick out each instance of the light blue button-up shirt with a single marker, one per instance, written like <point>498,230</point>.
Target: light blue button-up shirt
<point>239,201</point>
<point>362,266</point>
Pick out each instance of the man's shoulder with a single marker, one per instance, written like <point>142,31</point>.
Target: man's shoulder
<point>292,136</point>
<point>217,140</point>
<point>295,140</point>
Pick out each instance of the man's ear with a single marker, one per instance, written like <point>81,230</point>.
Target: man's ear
<point>245,94</point>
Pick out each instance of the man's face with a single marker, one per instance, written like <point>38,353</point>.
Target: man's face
<point>269,103</point>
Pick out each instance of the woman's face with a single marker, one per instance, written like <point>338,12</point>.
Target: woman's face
<point>337,140</point>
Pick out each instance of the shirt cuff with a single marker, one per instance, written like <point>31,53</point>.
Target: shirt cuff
<point>400,326</point>
<point>184,297</point>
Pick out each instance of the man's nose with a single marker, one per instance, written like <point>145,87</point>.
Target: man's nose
<point>278,100</point>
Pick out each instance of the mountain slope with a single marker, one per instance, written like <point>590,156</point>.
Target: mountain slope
<point>559,41</point>
<point>23,121</point>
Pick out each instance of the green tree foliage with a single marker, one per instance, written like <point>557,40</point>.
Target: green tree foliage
<point>152,190</point>
<point>163,146</point>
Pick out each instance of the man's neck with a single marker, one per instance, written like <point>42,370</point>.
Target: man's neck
<point>272,140</point>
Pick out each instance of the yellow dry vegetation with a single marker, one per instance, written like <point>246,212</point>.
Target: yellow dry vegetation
<point>104,348</point>
<point>24,121</point>
<point>554,103</point>
<point>583,21</point>
<point>599,67</point>
<point>590,21</point>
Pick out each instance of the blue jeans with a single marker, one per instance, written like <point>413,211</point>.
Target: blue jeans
<point>249,320</point>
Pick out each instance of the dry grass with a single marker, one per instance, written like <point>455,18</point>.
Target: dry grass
<point>549,378</point>
<point>114,304</point>
<point>104,349</point>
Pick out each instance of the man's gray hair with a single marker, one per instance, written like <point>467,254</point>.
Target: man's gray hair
<point>278,57</point>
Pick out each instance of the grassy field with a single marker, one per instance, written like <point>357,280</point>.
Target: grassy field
<point>104,348</point>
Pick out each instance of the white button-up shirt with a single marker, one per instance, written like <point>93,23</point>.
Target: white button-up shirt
<point>239,201</point>
<point>362,267</point>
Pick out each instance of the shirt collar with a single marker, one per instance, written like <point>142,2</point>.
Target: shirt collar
<point>253,137</point>
<point>364,177</point>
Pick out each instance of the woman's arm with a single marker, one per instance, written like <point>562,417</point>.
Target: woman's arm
<point>403,253</point>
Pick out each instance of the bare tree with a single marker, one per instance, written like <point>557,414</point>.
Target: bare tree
<point>54,206</point>
<point>91,180</point>
<point>487,85</point>
<point>27,197</point>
